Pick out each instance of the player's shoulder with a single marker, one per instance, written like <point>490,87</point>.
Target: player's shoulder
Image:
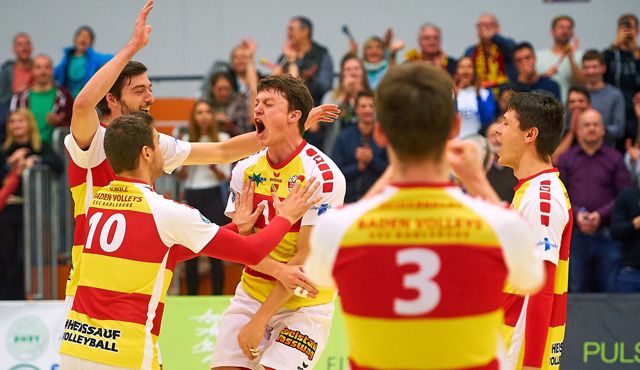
<point>545,186</point>
<point>499,216</point>
<point>344,216</point>
<point>250,160</point>
<point>320,165</point>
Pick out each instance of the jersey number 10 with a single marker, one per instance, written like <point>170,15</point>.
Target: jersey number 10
<point>116,220</point>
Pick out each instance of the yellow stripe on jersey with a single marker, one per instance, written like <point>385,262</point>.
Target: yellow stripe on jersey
<point>561,283</point>
<point>388,224</point>
<point>402,343</point>
<point>79,196</point>
<point>122,275</point>
<point>104,347</point>
<point>517,197</point>
<point>74,275</point>
<point>120,196</point>
<point>553,348</point>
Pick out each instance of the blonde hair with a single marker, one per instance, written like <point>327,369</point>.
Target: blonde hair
<point>194,128</point>
<point>34,134</point>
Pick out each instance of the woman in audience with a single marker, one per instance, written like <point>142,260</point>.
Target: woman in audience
<point>379,55</point>
<point>205,189</point>
<point>476,104</point>
<point>22,149</point>
<point>79,61</point>
<point>353,80</point>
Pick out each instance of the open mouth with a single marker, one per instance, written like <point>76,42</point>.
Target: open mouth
<point>259,125</point>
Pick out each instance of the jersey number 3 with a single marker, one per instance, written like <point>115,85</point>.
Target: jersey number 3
<point>421,281</point>
<point>116,221</point>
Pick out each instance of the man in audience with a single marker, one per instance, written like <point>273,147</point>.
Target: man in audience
<point>357,155</point>
<point>50,104</point>
<point>561,62</point>
<point>578,100</point>
<point>302,56</point>
<point>492,55</point>
<point>594,174</point>
<point>623,67</point>
<point>15,75</point>
<point>528,78</point>
<point>625,227</point>
<point>429,41</point>
<point>605,98</point>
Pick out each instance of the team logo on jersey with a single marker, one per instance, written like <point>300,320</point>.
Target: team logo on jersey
<point>299,341</point>
<point>321,208</point>
<point>257,178</point>
<point>274,188</point>
<point>293,179</point>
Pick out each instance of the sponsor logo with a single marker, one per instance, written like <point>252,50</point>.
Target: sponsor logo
<point>299,341</point>
<point>322,208</point>
<point>204,219</point>
<point>293,179</point>
<point>547,244</point>
<point>257,178</point>
<point>303,366</point>
<point>91,336</point>
<point>27,338</point>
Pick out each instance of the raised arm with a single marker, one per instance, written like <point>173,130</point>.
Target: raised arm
<point>84,121</point>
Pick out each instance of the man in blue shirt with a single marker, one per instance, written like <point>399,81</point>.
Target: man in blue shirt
<point>528,78</point>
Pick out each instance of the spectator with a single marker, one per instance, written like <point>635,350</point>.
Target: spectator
<point>353,80</point>
<point>561,63</point>
<point>15,75</point>
<point>492,55</point>
<point>49,103</point>
<point>623,67</point>
<point>625,227</point>
<point>605,98</point>
<point>80,61</point>
<point>500,177</point>
<point>378,55</point>
<point>632,156</point>
<point>429,41</point>
<point>243,76</point>
<point>578,101</point>
<point>528,78</point>
<point>476,105</point>
<point>22,148</point>
<point>357,155</point>
<point>301,56</point>
<point>221,97</point>
<point>205,190</point>
<point>594,174</point>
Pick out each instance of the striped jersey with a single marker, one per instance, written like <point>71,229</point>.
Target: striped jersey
<point>420,270</point>
<point>543,201</point>
<point>307,161</point>
<point>89,171</point>
<point>132,246</point>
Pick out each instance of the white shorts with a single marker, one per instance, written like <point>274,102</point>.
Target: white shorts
<point>75,363</point>
<point>293,338</point>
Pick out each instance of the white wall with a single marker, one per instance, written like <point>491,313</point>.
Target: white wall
<point>188,35</point>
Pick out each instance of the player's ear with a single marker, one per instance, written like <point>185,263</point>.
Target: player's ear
<point>532,134</point>
<point>455,126</point>
<point>379,136</point>
<point>295,115</point>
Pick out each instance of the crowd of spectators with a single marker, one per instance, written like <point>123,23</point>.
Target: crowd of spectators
<point>598,159</point>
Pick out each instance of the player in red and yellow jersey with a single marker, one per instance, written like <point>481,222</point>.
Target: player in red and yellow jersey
<point>265,325</point>
<point>421,266</point>
<point>135,238</point>
<point>534,324</point>
<point>121,87</point>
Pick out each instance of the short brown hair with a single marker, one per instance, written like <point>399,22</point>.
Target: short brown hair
<point>564,17</point>
<point>542,111</point>
<point>593,54</point>
<point>294,90</point>
<point>627,18</point>
<point>124,139</point>
<point>132,69</point>
<point>365,94</point>
<point>414,105</point>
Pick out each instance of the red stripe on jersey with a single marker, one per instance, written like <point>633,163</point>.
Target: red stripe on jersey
<point>327,187</point>
<point>493,365</point>
<point>371,294</point>
<point>143,245</point>
<point>544,220</point>
<point>79,231</point>
<point>545,195</point>
<point>77,175</point>
<point>179,253</point>
<point>323,167</point>
<point>259,274</point>
<point>559,310</point>
<point>327,175</point>
<point>260,223</point>
<point>545,207</point>
<point>101,174</point>
<point>512,308</point>
<point>311,152</point>
<point>565,243</point>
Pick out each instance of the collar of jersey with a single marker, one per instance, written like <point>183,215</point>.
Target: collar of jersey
<point>522,181</point>
<point>289,159</point>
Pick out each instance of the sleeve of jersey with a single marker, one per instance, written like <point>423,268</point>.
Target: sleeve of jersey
<point>332,189</point>
<point>524,265</point>
<point>248,250</point>
<point>175,152</point>
<point>321,259</point>
<point>547,218</point>
<point>538,320</point>
<point>93,156</point>
<point>235,187</point>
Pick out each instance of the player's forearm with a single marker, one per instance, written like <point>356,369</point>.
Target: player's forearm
<point>268,266</point>
<point>277,298</point>
<point>228,151</point>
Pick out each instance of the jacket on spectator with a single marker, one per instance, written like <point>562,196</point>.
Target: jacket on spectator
<point>316,67</point>
<point>95,60</point>
<point>6,79</point>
